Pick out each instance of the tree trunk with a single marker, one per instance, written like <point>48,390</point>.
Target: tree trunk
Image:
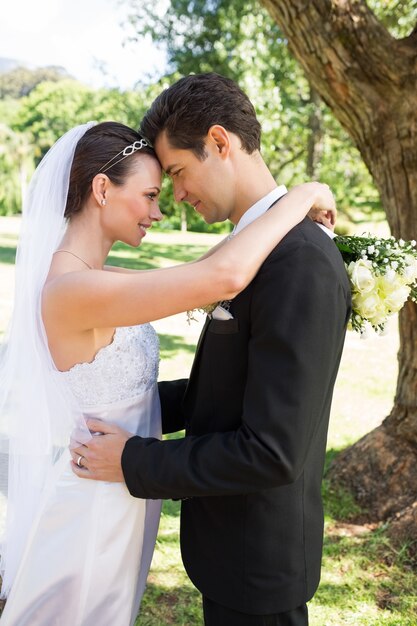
<point>369,80</point>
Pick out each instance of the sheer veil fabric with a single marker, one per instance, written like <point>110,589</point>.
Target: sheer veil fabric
<point>37,411</point>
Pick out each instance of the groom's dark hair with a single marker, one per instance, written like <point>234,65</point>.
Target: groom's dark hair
<point>187,110</point>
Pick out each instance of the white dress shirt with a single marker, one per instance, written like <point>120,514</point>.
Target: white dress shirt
<point>221,312</point>
<point>262,205</point>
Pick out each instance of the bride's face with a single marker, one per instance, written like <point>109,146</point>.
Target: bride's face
<point>133,207</point>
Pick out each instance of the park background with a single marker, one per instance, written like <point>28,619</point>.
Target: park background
<point>368,578</point>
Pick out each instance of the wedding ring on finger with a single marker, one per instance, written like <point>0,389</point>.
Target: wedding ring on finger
<point>79,461</point>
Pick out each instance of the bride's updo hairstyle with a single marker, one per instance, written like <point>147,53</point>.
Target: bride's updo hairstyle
<point>95,153</point>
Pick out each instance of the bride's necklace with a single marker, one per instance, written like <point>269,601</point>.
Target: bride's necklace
<point>76,256</point>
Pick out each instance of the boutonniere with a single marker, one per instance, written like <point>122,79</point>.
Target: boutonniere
<point>216,310</point>
<point>383,276</point>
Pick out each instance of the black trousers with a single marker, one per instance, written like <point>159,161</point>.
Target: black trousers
<point>217,615</point>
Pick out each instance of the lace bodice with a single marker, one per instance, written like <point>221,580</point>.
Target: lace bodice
<point>122,370</point>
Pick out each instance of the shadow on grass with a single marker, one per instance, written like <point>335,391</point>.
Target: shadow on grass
<point>171,606</point>
<point>7,254</point>
<point>338,502</point>
<point>371,572</point>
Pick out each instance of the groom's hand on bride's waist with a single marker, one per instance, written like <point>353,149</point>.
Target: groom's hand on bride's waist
<point>100,457</point>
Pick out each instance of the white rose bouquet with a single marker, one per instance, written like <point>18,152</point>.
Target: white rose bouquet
<point>383,276</point>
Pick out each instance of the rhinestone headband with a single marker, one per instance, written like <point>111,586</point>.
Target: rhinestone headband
<point>134,147</point>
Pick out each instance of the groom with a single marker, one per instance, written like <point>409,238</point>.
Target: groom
<point>256,406</point>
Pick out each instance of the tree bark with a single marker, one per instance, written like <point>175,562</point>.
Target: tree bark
<point>369,80</point>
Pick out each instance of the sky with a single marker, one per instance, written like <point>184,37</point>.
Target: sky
<point>80,35</point>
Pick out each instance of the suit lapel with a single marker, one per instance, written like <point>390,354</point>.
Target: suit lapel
<point>198,348</point>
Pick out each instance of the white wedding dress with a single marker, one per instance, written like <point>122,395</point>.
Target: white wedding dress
<point>89,552</point>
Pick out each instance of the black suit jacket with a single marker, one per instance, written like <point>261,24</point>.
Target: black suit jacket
<point>256,411</point>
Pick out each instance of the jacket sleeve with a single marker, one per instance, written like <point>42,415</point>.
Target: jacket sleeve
<point>299,313</point>
<point>171,394</point>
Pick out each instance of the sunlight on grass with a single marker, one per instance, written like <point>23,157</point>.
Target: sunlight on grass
<point>364,582</point>
<point>170,598</point>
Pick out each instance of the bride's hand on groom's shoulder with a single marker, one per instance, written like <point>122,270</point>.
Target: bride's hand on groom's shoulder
<point>100,457</point>
<point>324,208</point>
<point>327,218</point>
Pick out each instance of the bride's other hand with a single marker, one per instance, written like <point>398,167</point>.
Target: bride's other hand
<point>327,218</point>
<point>324,210</point>
<point>100,458</point>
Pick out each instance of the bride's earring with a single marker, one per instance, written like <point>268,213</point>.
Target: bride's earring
<point>103,202</point>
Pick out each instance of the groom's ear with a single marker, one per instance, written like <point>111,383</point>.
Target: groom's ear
<point>219,137</point>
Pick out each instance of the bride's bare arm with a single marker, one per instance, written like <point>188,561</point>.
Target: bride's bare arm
<point>101,299</point>
<point>322,214</point>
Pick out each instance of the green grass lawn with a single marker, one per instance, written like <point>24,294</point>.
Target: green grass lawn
<point>364,581</point>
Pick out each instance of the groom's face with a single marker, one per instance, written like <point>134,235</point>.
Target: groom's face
<point>206,185</point>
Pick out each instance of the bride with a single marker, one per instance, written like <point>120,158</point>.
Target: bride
<point>77,552</point>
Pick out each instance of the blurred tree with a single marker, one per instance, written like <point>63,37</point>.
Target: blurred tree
<point>398,16</point>
<point>8,110</point>
<point>364,65</point>
<point>21,80</point>
<point>51,109</point>
<point>301,140</point>
<point>126,107</point>
<point>16,165</point>
<point>31,124</point>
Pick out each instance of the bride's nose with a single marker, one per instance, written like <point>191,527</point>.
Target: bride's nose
<point>156,214</point>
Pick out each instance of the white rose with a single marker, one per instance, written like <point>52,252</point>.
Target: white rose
<point>396,298</point>
<point>368,305</point>
<point>380,316</point>
<point>389,282</point>
<point>361,275</point>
